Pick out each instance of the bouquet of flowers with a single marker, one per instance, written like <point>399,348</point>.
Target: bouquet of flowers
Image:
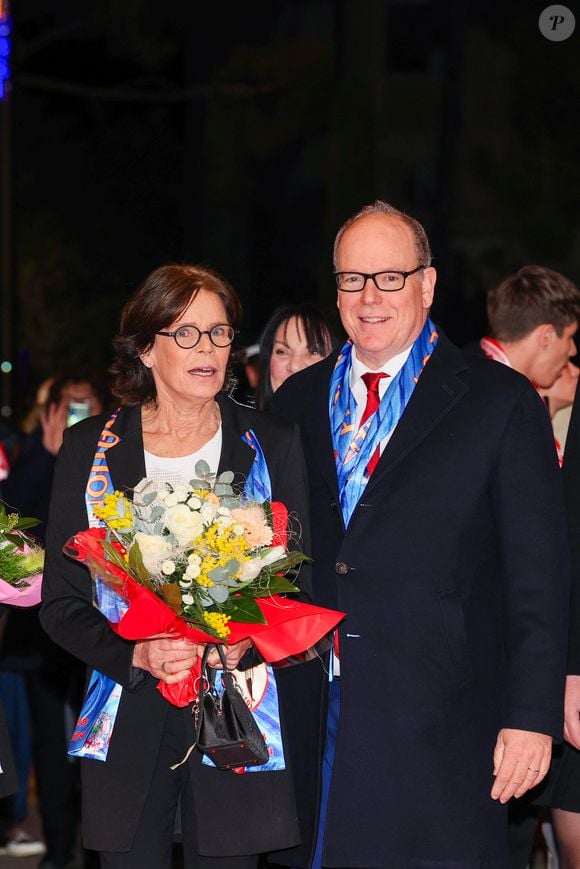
<point>200,561</point>
<point>21,561</point>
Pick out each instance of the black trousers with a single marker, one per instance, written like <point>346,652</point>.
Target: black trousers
<point>170,792</point>
<point>54,699</point>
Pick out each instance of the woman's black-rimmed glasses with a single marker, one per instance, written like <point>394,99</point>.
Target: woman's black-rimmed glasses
<point>187,337</point>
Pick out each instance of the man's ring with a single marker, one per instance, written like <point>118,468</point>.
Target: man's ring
<point>533,770</point>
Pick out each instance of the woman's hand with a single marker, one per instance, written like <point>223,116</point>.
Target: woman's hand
<point>166,658</point>
<point>232,654</point>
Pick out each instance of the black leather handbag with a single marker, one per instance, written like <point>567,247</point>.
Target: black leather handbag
<point>225,729</point>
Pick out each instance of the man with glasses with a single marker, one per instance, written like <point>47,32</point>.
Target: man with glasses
<point>437,526</point>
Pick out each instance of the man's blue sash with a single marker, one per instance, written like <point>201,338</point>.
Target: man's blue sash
<point>353,449</point>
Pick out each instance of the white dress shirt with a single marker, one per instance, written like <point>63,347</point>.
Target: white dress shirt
<point>359,390</point>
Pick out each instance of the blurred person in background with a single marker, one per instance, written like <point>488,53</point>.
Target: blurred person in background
<point>294,337</point>
<point>40,680</point>
<point>246,367</point>
<point>561,791</point>
<point>533,319</point>
<point>32,418</point>
<point>559,399</point>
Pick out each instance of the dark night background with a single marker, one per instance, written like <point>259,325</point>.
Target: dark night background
<point>242,135</point>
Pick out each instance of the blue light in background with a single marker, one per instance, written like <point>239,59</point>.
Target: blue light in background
<point>5,30</point>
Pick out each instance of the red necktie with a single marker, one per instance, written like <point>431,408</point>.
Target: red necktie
<point>371,381</point>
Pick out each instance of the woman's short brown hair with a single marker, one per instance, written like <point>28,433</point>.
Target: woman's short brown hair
<point>155,305</point>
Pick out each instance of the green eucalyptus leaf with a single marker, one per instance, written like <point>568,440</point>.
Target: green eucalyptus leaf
<point>199,484</point>
<point>202,468</point>
<point>218,593</point>
<point>226,477</point>
<point>222,490</point>
<point>232,567</point>
<point>219,574</point>
<point>148,499</point>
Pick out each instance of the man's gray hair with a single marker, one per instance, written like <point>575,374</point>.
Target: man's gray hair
<point>422,246</point>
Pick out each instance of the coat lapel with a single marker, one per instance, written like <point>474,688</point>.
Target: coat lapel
<point>236,454</point>
<point>315,428</point>
<point>126,459</point>
<point>436,393</point>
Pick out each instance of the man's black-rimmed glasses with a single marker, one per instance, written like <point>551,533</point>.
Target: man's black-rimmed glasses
<point>386,282</point>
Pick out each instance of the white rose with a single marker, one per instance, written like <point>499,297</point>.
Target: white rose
<point>154,550</point>
<point>171,499</point>
<point>250,569</point>
<point>185,583</point>
<point>192,571</point>
<point>183,523</point>
<point>269,556</point>
<point>208,512</point>
<point>187,599</point>
<point>194,558</point>
<point>194,502</point>
<point>181,493</point>
<point>168,567</point>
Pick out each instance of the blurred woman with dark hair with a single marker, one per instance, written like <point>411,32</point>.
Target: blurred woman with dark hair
<point>294,337</point>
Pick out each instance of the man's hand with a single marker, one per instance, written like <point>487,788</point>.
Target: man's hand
<point>520,761</point>
<point>572,711</point>
<point>166,658</point>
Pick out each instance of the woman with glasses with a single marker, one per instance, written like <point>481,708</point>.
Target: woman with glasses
<point>171,378</point>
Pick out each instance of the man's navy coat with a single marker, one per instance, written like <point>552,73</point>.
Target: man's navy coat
<point>454,576</point>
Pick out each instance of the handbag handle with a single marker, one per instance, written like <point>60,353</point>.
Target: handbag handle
<point>206,653</point>
<point>206,681</point>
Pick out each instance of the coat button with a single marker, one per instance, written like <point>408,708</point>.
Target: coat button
<point>341,567</point>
